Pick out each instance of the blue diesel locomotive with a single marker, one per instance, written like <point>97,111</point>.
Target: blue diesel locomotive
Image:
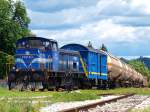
<point>39,63</point>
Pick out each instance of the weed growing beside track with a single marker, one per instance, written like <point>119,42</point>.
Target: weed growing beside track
<point>138,91</point>
<point>147,109</point>
<point>73,96</point>
<point>15,93</point>
<point>6,106</point>
<point>28,101</point>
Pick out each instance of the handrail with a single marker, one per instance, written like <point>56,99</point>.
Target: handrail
<point>84,66</point>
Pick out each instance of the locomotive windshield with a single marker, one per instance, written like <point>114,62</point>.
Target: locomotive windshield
<point>36,43</point>
<point>30,44</point>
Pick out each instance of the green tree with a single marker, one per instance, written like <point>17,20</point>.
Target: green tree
<point>140,67</point>
<point>13,24</point>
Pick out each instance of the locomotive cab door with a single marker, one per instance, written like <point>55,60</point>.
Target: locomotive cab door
<point>73,63</point>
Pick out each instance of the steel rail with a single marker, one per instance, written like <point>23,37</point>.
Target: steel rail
<point>93,105</point>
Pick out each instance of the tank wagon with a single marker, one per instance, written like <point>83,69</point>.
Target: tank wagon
<point>39,63</point>
<point>123,74</point>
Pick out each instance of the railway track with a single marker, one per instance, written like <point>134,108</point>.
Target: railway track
<point>95,106</point>
<point>122,105</point>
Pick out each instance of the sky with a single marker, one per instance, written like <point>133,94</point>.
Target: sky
<point>122,25</point>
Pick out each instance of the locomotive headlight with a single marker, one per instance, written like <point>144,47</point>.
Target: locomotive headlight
<point>14,68</point>
<point>33,70</point>
<point>17,70</point>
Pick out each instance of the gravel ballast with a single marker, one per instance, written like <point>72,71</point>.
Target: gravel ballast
<point>66,105</point>
<point>122,105</point>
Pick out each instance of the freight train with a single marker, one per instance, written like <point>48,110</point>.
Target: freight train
<point>39,63</point>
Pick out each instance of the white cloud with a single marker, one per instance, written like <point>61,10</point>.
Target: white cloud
<point>110,7</point>
<point>142,4</point>
<point>124,7</point>
<point>123,25</point>
<point>70,17</point>
<point>118,38</point>
<point>57,5</point>
<point>122,12</point>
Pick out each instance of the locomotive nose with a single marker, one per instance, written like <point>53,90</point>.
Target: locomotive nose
<point>24,58</point>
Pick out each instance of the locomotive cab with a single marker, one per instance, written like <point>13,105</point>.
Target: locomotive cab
<point>31,52</point>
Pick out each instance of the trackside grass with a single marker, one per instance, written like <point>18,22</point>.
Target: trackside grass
<point>48,95</point>
<point>15,93</point>
<point>73,96</point>
<point>28,101</point>
<point>147,109</point>
<point>139,91</point>
<point>6,106</point>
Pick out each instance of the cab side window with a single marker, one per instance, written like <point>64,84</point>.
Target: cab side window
<point>49,47</point>
<point>23,44</point>
<point>74,65</point>
<point>54,47</point>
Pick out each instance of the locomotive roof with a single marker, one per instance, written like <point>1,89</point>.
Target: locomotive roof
<point>80,47</point>
<point>37,38</point>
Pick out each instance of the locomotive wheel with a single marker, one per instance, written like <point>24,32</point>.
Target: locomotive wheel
<point>9,85</point>
<point>11,78</point>
<point>45,85</point>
